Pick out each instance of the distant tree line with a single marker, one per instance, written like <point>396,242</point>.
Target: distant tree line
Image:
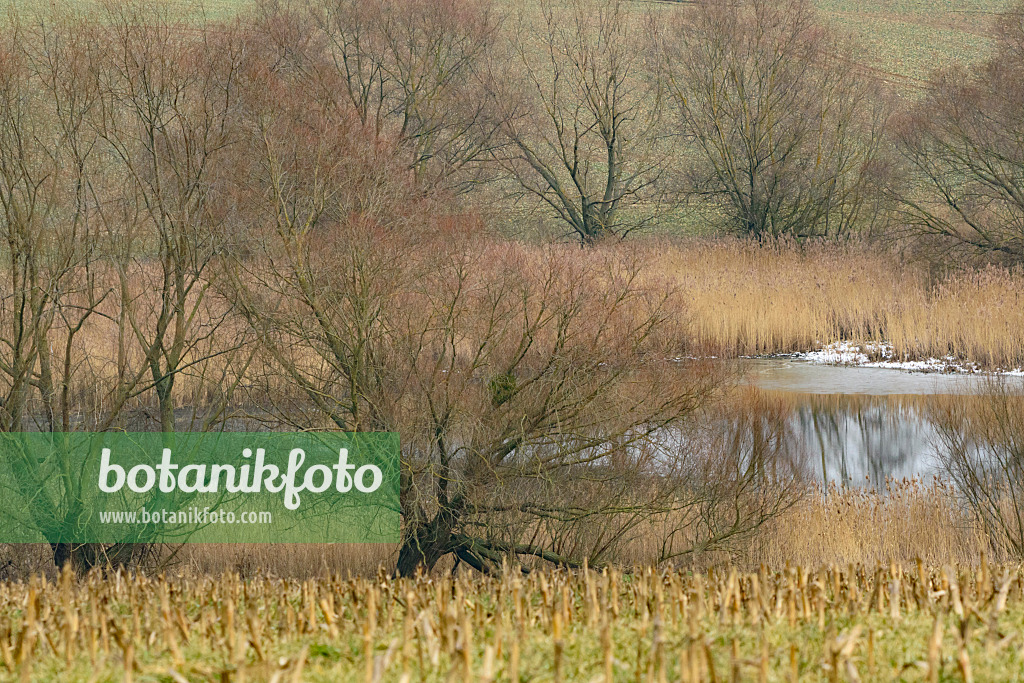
<point>753,116</point>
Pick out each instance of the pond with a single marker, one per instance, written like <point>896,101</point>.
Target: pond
<point>862,426</point>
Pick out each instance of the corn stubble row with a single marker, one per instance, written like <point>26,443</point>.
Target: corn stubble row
<point>832,624</point>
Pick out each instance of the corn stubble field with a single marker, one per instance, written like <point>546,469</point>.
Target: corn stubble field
<point>834,624</point>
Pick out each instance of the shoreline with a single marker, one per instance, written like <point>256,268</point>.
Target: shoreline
<point>880,355</point>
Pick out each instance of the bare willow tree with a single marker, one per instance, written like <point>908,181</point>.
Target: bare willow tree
<point>579,116</point>
<point>965,146</point>
<point>409,69</point>
<point>53,256</point>
<point>107,143</point>
<point>34,178</point>
<point>785,131</point>
<point>530,387</point>
<point>51,249</point>
<point>551,412</point>
<point>166,117</point>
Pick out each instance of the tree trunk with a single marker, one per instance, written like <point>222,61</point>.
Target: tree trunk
<point>165,397</point>
<point>425,545</point>
<point>83,557</point>
<point>80,556</point>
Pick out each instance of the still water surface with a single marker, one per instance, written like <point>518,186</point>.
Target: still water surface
<point>862,425</point>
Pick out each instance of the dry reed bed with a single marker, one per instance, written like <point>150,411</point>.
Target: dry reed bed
<point>908,519</point>
<point>905,520</point>
<point>744,298</point>
<point>914,622</point>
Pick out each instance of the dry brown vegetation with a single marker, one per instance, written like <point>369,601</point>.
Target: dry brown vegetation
<point>743,298</point>
<point>983,457</point>
<point>902,521</point>
<point>736,298</point>
<point>767,310</point>
<point>906,519</point>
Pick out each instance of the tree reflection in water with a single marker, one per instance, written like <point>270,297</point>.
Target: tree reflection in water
<point>864,440</point>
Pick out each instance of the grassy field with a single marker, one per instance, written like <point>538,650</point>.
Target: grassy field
<point>848,602</point>
<point>915,623</point>
<point>903,39</point>
<point>909,38</point>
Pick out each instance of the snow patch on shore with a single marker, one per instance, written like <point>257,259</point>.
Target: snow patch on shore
<point>881,355</point>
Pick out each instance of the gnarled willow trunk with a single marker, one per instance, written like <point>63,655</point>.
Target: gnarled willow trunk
<point>82,557</point>
<point>425,544</point>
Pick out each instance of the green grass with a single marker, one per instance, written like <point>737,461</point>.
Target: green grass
<point>214,9</point>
